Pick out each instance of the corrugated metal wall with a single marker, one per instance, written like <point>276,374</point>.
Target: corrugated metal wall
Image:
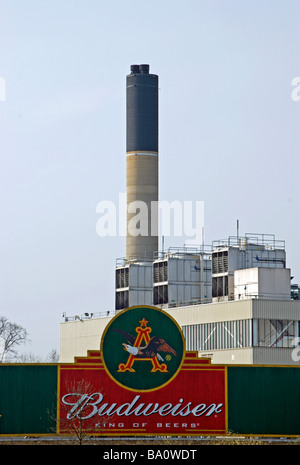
<point>28,399</point>
<point>261,400</point>
<point>275,309</point>
<point>264,400</point>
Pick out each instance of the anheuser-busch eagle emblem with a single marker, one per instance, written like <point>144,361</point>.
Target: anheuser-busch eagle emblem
<point>142,348</point>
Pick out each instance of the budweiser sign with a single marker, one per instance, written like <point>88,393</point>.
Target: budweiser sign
<point>143,382</point>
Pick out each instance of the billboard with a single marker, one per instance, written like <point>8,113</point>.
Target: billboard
<point>142,382</point>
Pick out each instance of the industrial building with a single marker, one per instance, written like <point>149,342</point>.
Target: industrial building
<point>233,298</point>
<point>255,319</point>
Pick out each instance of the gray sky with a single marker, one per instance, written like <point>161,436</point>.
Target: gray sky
<point>229,136</point>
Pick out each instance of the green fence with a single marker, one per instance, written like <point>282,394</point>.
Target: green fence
<point>28,397</point>
<point>264,400</point>
<point>261,400</point>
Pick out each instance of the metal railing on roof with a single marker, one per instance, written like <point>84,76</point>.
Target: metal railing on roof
<point>266,241</point>
<point>183,252</point>
<point>88,316</point>
<point>123,261</point>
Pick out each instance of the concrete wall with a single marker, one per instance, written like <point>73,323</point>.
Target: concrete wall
<point>141,186</point>
<point>78,337</point>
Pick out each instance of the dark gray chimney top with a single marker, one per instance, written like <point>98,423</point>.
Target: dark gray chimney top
<point>139,69</point>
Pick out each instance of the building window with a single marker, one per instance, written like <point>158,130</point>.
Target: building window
<point>122,277</point>
<point>160,271</point>
<point>122,300</point>
<point>220,262</point>
<point>275,333</point>
<point>160,295</point>
<point>241,333</point>
<point>220,335</point>
<point>220,286</point>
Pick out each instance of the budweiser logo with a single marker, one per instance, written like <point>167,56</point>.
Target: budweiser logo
<point>86,406</point>
<point>153,387</point>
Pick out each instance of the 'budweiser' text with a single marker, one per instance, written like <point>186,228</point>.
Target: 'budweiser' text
<point>85,406</point>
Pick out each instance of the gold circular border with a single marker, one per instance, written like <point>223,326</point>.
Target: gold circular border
<point>104,334</point>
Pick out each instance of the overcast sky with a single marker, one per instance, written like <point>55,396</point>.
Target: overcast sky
<point>229,136</point>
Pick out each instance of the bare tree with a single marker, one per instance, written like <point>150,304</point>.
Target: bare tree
<point>27,358</point>
<point>77,422</point>
<point>11,336</point>
<point>52,357</point>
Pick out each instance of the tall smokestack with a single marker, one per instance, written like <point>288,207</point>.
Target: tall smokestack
<point>142,162</point>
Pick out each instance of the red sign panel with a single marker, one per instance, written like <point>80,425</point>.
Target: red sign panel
<point>192,403</point>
